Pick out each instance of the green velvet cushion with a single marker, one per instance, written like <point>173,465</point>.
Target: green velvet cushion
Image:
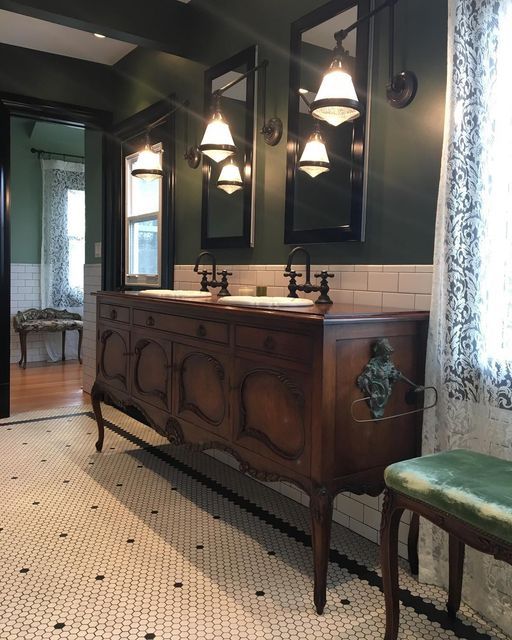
<point>473,487</point>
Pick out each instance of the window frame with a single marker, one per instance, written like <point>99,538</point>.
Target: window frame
<point>141,279</point>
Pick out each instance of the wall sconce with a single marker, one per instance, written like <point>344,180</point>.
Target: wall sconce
<point>314,159</point>
<point>148,165</point>
<point>230,179</point>
<point>217,142</point>
<point>336,101</point>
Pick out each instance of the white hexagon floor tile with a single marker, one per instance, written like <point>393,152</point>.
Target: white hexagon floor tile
<point>150,541</point>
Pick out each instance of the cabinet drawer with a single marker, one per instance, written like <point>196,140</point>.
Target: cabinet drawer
<point>115,313</point>
<point>288,345</point>
<point>214,331</point>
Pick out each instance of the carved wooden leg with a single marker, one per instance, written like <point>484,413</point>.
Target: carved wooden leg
<point>412,544</point>
<point>80,336</point>
<point>321,519</point>
<point>389,562</point>
<point>23,348</point>
<point>97,396</point>
<point>63,345</point>
<point>456,555</point>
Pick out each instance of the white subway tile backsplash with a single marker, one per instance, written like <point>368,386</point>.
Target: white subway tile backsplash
<point>382,281</point>
<point>398,300</point>
<point>415,283</point>
<point>399,268</point>
<point>357,280</point>
<point>368,267</point>
<point>368,298</point>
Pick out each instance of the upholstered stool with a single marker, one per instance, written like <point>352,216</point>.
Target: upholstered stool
<point>467,494</point>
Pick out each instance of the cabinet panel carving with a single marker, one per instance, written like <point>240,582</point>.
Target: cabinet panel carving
<point>151,370</point>
<point>273,412</point>
<point>202,388</point>
<point>113,355</point>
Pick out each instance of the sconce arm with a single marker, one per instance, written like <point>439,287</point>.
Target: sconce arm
<point>340,35</point>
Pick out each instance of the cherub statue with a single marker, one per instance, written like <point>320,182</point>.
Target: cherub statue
<point>378,377</point>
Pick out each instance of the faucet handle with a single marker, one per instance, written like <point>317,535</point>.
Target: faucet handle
<point>323,298</point>
<point>226,273</point>
<point>324,275</point>
<point>204,279</point>
<point>292,274</point>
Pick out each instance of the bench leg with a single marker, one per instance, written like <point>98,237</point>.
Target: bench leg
<point>412,544</point>
<point>97,397</point>
<point>321,519</point>
<point>389,562</point>
<point>456,571</point>
<point>23,347</point>
<point>80,336</point>
<point>63,345</point>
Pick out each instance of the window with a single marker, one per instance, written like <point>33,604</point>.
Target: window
<point>76,238</point>
<point>143,226</point>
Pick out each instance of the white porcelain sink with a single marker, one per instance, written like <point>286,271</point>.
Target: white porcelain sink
<point>172,293</point>
<point>266,301</point>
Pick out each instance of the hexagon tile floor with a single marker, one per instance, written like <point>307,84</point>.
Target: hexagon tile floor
<point>149,541</point>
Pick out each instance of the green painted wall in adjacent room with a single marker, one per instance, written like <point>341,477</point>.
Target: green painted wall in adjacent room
<point>404,150</point>
<point>26,194</point>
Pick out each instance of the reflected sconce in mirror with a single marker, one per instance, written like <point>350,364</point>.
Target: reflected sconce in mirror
<point>148,165</point>
<point>230,178</point>
<point>314,159</point>
<point>217,142</point>
<point>336,101</point>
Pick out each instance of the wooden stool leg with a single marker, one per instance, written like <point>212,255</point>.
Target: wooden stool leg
<point>412,544</point>
<point>389,562</point>
<point>23,348</point>
<point>456,571</point>
<point>80,336</point>
<point>321,519</point>
<point>97,396</point>
<point>63,345</point>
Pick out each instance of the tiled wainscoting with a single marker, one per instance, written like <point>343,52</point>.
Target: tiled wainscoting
<point>25,294</point>
<point>92,283</point>
<point>393,286</point>
<point>404,286</point>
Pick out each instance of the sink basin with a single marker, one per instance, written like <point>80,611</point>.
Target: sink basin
<point>266,301</point>
<point>172,293</point>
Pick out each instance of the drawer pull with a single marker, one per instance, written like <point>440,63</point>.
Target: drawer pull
<point>201,331</point>
<point>113,314</point>
<point>269,343</point>
<point>150,321</point>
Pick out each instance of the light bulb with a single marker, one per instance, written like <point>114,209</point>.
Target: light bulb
<point>148,165</point>
<point>314,159</point>
<point>230,179</point>
<point>336,101</point>
<point>217,142</point>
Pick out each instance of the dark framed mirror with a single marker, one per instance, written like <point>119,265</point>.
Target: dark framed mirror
<point>330,207</point>
<point>227,219</point>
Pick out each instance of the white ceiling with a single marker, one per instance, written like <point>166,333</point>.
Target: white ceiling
<point>31,33</point>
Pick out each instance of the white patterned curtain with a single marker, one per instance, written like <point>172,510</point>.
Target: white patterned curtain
<point>469,356</point>
<point>63,245</point>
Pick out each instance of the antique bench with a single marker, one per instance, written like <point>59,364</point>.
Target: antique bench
<point>53,320</point>
<point>467,494</point>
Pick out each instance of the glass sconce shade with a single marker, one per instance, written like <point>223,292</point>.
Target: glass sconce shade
<point>217,142</point>
<point>230,179</point>
<point>148,165</point>
<point>314,159</point>
<point>336,101</point>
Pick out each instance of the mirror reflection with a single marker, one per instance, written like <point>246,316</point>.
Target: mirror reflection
<point>325,199</point>
<point>227,185</point>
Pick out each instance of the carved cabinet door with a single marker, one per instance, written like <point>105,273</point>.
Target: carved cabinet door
<point>152,369</point>
<point>273,413</point>
<point>113,357</point>
<point>202,389</point>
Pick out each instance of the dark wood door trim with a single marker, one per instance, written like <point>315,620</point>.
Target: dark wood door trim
<point>49,111</point>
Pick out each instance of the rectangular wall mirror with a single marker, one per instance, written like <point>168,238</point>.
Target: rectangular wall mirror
<point>227,216</point>
<point>331,206</point>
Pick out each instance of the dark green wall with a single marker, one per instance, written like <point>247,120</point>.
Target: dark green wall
<point>404,149</point>
<point>93,193</point>
<point>26,194</point>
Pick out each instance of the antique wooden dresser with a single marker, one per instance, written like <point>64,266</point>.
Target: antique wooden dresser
<point>275,388</point>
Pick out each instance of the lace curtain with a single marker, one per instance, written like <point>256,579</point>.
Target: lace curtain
<point>61,285</point>
<point>469,356</point>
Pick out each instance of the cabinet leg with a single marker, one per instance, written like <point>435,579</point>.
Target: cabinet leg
<point>63,346</point>
<point>412,544</point>
<point>80,337</point>
<point>321,520</point>
<point>389,562</point>
<point>97,396</point>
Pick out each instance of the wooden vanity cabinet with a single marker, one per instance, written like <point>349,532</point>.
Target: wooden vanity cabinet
<point>275,388</point>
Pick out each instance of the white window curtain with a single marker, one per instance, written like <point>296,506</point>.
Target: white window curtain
<point>469,356</point>
<point>63,246</point>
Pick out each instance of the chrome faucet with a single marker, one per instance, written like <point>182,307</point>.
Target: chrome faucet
<point>307,287</point>
<point>213,283</point>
